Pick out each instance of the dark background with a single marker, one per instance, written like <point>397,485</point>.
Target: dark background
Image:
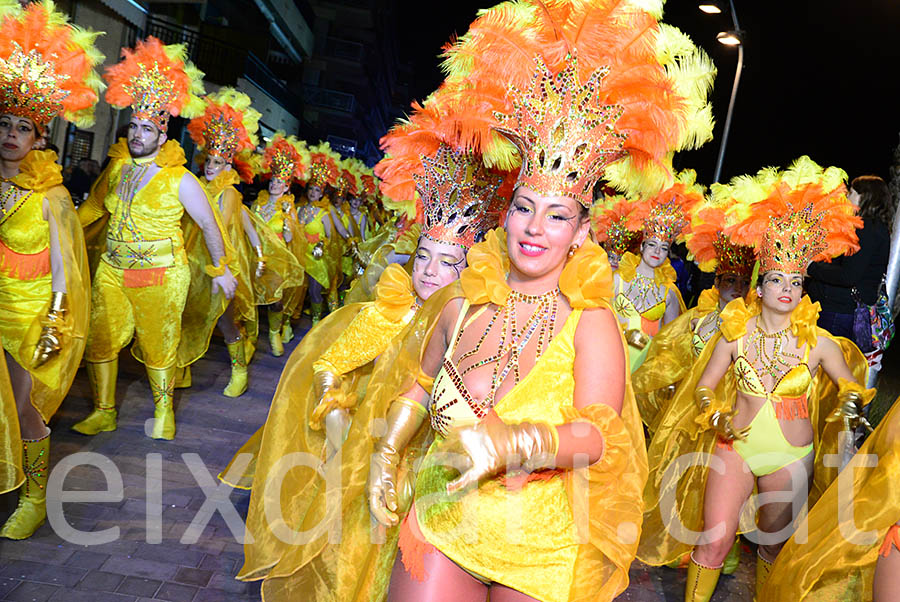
<point>820,78</point>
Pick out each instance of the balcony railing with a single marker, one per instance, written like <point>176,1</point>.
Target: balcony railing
<point>329,99</point>
<point>344,49</point>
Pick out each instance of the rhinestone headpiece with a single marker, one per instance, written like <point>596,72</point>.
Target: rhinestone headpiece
<point>228,125</point>
<point>565,137</point>
<point>47,66</point>
<point>459,197</point>
<point>732,258</point>
<point>665,221</point>
<point>285,158</point>
<point>324,166</point>
<point>609,223</point>
<point>157,81</point>
<point>791,241</point>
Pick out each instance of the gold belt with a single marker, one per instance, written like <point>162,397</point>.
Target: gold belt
<point>140,254</point>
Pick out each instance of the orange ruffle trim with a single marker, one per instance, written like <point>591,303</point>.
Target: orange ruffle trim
<point>143,278</point>
<point>413,548</point>
<point>586,279</point>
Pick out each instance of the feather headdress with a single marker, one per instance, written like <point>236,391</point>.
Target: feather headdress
<point>579,91</point>
<point>709,246</point>
<point>608,222</point>
<point>47,65</point>
<point>792,217</point>
<point>325,166</point>
<point>227,128</point>
<point>285,158</point>
<point>667,215</point>
<point>157,81</point>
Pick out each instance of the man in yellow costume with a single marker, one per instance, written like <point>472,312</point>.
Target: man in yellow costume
<point>150,267</point>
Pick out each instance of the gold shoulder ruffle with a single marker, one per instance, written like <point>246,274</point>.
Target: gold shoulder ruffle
<point>707,302</point>
<point>394,293</point>
<point>663,275</point>
<point>226,178</point>
<point>170,155</point>
<point>735,317</point>
<point>39,171</point>
<point>803,321</point>
<point>586,280</point>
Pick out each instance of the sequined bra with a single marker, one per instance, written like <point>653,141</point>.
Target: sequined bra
<point>793,384</point>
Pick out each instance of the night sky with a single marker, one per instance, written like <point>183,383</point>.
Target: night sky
<point>823,81</point>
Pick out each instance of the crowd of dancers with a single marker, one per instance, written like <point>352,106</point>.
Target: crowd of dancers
<point>502,389</point>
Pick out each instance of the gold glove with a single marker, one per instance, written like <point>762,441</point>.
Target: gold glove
<point>318,250</point>
<point>260,261</point>
<point>637,338</point>
<point>48,344</point>
<point>850,411</point>
<point>491,446</point>
<point>325,382</point>
<point>337,425</point>
<point>404,418</point>
<point>715,414</point>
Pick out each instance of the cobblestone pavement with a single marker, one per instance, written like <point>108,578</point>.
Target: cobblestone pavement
<point>211,427</point>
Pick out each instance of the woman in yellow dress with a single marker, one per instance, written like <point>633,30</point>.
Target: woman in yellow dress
<point>322,260</point>
<point>285,161</point>
<point>44,277</point>
<point>646,295</point>
<point>849,552</point>
<point>326,376</point>
<point>771,432</point>
<point>225,133</point>
<point>679,343</point>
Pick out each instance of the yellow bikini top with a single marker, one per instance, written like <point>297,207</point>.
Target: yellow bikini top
<point>794,383</point>
<point>549,385</point>
<point>664,275</point>
<point>797,381</point>
<point>626,309</point>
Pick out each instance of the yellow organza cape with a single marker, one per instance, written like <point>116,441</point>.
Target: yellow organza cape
<point>202,309</point>
<point>50,383</point>
<point>829,567</point>
<point>356,562</point>
<point>677,436</point>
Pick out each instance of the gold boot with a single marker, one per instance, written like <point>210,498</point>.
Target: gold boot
<point>701,582</point>
<point>162,385</point>
<point>287,333</point>
<point>102,377</point>
<point>315,311</point>
<point>763,568</point>
<point>237,385</point>
<point>31,510</point>
<point>183,377</point>
<point>733,560</point>
<point>332,301</point>
<point>275,320</point>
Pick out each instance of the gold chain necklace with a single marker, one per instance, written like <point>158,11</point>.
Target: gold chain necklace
<point>514,340</point>
<point>643,287</point>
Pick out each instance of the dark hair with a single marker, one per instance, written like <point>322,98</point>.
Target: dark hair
<point>875,201</point>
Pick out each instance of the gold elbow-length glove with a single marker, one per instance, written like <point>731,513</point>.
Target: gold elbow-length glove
<point>715,415</point>
<point>330,411</point>
<point>852,397</point>
<point>491,446</point>
<point>260,261</point>
<point>386,496</point>
<point>50,343</point>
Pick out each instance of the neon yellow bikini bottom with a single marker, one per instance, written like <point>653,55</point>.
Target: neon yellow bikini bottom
<point>765,449</point>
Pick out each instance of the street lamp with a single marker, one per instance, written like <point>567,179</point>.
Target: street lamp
<point>733,37</point>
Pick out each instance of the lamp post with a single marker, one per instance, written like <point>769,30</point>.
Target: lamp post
<point>728,38</point>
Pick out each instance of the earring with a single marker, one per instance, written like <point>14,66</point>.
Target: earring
<point>572,250</point>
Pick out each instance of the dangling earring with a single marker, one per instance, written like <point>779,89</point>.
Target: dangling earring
<point>572,250</point>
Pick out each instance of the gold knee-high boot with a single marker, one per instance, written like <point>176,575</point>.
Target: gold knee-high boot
<point>162,385</point>
<point>763,568</point>
<point>102,377</point>
<point>237,385</point>
<point>275,321</point>
<point>315,311</point>
<point>701,582</point>
<point>183,377</point>
<point>31,510</point>
<point>287,332</point>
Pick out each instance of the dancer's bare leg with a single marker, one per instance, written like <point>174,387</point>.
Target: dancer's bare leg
<point>31,425</point>
<point>445,582</point>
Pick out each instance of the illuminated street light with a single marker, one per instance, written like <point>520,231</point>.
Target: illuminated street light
<point>729,38</point>
<point>710,8</point>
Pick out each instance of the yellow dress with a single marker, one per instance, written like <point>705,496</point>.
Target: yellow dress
<point>354,568</point>
<point>25,294</point>
<point>346,343</point>
<point>278,215</point>
<point>830,566</point>
<point>649,320</point>
<point>321,269</point>
<point>670,355</point>
<point>151,267</point>
<point>681,430</point>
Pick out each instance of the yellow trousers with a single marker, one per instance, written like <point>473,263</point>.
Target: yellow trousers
<point>152,314</point>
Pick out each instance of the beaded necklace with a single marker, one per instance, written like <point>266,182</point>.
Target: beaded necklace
<point>512,339</point>
<point>640,289</point>
<point>776,363</point>
<point>268,210</point>
<point>9,201</point>
<point>128,187</point>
